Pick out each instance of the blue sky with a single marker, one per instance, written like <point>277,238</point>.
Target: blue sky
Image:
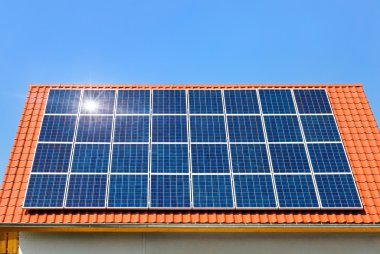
<point>325,41</point>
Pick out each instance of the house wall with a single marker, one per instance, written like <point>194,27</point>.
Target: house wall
<point>154,243</point>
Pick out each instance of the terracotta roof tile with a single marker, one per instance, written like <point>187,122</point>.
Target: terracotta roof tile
<point>358,127</point>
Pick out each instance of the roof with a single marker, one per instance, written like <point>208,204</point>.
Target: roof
<point>355,120</point>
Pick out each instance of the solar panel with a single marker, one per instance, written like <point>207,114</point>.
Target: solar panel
<point>245,129</point>
<point>289,158</point>
<point>133,102</point>
<point>63,102</point>
<point>249,158</point>
<point>58,128</point>
<point>53,158</point>
<point>277,101</point>
<point>170,158</point>
<point>128,191</point>
<point>212,191</point>
<point>87,191</point>
<point>254,191</point>
<point>45,191</point>
<point>90,158</point>
<point>131,129</point>
<point>169,102</point>
<point>94,129</point>
<point>130,158</point>
<point>207,129</point>
<point>170,191</point>
<point>283,129</point>
<point>241,102</point>
<point>205,102</point>
<point>194,149</point>
<point>169,129</point>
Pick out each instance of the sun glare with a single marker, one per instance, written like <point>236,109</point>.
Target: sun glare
<point>91,106</point>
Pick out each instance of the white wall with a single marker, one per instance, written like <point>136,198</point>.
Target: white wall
<point>231,243</point>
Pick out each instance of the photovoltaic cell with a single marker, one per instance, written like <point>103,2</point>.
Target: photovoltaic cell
<point>90,158</point>
<point>338,191</point>
<point>87,191</point>
<point>296,191</point>
<point>328,158</point>
<point>53,158</point>
<point>130,158</point>
<point>205,102</point>
<point>241,102</point>
<point>169,102</point>
<point>312,101</point>
<point>283,129</point>
<point>45,191</point>
<point>249,158</point>
<point>320,128</point>
<point>131,129</point>
<point>128,191</point>
<point>210,158</point>
<point>94,129</point>
<point>98,102</point>
<point>63,102</point>
<point>58,128</point>
<point>133,102</point>
<point>289,158</point>
<point>277,101</point>
<point>170,191</point>
<point>207,129</point>
<point>212,191</point>
<point>169,129</point>
<point>170,158</point>
<point>245,129</point>
<point>254,191</point>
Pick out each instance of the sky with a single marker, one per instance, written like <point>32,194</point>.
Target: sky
<point>267,41</point>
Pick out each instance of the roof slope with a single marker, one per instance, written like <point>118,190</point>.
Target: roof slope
<point>355,119</point>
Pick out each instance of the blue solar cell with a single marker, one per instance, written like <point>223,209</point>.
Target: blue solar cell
<point>312,101</point>
<point>52,158</point>
<point>283,129</point>
<point>98,102</point>
<point>94,129</point>
<point>171,158</point>
<point>169,102</point>
<point>58,128</point>
<point>87,191</point>
<point>130,158</point>
<point>212,191</point>
<point>45,191</point>
<point>131,129</point>
<point>170,191</point>
<point>289,158</point>
<point>169,129</point>
<point>320,128</point>
<point>296,191</point>
<point>249,158</point>
<point>205,102</point>
<point>241,102</point>
<point>245,129</point>
<point>210,158</point>
<point>90,158</point>
<point>207,129</point>
<point>133,102</point>
<point>63,102</point>
<point>254,191</point>
<point>337,191</point>
<point>277,101</point>
<point>328,158</point>
<point>128,191</point>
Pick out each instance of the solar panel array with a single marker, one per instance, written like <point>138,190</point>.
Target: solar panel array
<point>190,149</point>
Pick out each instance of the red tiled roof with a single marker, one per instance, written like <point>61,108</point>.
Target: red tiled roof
<point>355,119</point>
